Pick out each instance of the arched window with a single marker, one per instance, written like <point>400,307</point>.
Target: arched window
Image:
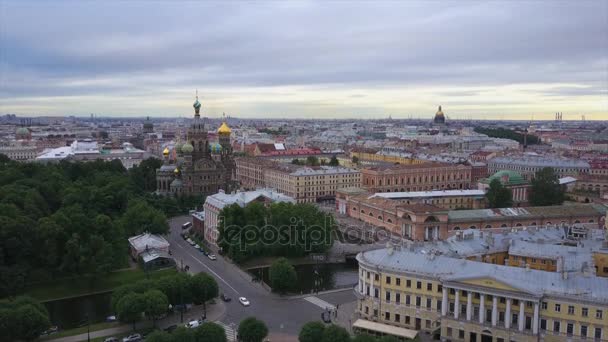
<point>504,225</point>
<point>533,224</point>
<point>371,214</point>
<point>472,227</point>
<point>518,225</point>
<point>488,226</point>
<point>456,228</point>
<point>362,211</point>
<point>389,220</point>
<point>379,217</point>
<point>431,219</point>
<point>591,221</point>
<point>577,221</point>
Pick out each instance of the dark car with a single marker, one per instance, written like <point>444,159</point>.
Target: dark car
<point>170,328</point>
<point>225,298</point>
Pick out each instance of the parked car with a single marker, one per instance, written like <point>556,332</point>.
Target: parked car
<point>50,331</point>
<point>225,298</point>
<point>132,338</point>
<point>193,324</point>
<point>170,328</point>
<point>186,225</point>
<point>244,301</point>
<point>111,318</point>
<point>191,242</point>
<point>212,256</point>
<point>196,246</point>
<point>111,339</point>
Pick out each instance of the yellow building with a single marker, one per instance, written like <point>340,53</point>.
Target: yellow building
<point>464,300</point>
<point>368,156</point>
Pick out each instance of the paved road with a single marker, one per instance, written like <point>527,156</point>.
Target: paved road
<point>281,315</point>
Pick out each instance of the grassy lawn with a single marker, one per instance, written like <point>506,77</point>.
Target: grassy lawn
<point>81,330</point>
<point>79,286</point>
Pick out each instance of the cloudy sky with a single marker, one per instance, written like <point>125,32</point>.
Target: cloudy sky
<point>346,59</point>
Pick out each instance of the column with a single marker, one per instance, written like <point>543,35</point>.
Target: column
<point>508,314</point>
<point>535,319</point>
<point>494,310</point>
<point>521,315</point>
<point>457,304</point>
<point>482,308</point>
<point>469,305</point>
<point>444,302</point>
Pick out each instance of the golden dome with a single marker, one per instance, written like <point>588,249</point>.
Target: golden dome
<point>224,129</point>
<point>439,112</point>
<point>176,171</point>
<point>166,151</point>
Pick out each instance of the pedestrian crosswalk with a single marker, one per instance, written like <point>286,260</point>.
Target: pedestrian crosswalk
<point>230,332</point>
<point>320,302</point>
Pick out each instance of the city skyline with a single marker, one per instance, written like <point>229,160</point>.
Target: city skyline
<point>479,60</point>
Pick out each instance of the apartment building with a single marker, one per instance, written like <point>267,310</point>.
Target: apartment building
<point>416,177</point>
<point>464,300</point>
<point>528,166</point>
<point>303,183</point>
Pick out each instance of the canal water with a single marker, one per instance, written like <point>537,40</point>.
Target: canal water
<point>319,277</point>
<point>72,312</point>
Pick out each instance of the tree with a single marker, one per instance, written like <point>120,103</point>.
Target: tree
<point>364,338</point>
<point>388,338</point>
<point>130,308</point>
<point>296,161</point>
<point>141,217</point>
<point>210,332</point>
<point>183,334</point>
<point>252,330</point>
<point>335,333</point>
<point>282,275</point>
<point>334,161</point>
<point>355,160</point>
<point>498,195</point>
<point>156,304</point>
<point>546,189</point>
<point>312,161</point>
<point>30,322</point>
<point>159,336</point>
<point>203,288</point>
<point>312,332</point>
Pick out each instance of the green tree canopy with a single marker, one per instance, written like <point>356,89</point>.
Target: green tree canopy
<point>210,332</point>
<point>159,336</point>
<point>282,275</point>
<point>364,338</point>
<point>23,319</point>
<point>252,330</point>
<point>156,304</point>
<point>334,333</point>
<point>312,332</point>
<point>334,161</point>
<point>546,189</point>
<point>183,334</point>
<point>131,307</point>
<point>498,195</point>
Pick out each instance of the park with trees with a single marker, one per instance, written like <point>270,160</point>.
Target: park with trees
<point>72,219</point>
<point>498,195</point>
<point>277,230</point>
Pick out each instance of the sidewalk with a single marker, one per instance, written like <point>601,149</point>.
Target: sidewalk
<point>214,312</point>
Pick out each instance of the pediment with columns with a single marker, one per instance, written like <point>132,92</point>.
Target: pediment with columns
<point>490,284</point>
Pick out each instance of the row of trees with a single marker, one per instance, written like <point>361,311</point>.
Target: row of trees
<point>73,218</point>
<point>250,330</point>
<point>151,298</point>
<point>507,134</point>
<point>22,319</point>
<point>281,229</point>
<point>282,275</point>
<point>319,332</point>
<point>545,190</point>
<point>314,161</point>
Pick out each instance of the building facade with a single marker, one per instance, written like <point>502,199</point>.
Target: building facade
<point>528,166</point>
<point>471,301</point>
<point>416,177</point>
<point>520,188</point>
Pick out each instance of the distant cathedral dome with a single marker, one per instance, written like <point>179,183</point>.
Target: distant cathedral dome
<point>187,148</point>
<point>178,147</point>
<point>148,126</point>
<point>215,148</point>
<point>439,117</point>
<point>166,151</point>
<point>224,129</point>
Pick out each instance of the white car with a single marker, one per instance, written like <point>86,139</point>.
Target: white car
<point>191,242</point>
<point>197,246</point>
<point>212,256</point>
<point>193,324</point>
<point>244,301</point>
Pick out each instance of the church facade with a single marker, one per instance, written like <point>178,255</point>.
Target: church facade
<point>198,167</point>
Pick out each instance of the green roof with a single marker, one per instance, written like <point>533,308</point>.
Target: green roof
<point>506,177</point>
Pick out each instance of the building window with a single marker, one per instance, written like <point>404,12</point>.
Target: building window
<point>387,316</point>
<point>439,288</point>
<point>583,330</point>
<point>543,324</point>
<point>569,329</point>
<point>449,332</point>
<point>514,319</point>
<point>438,305</point>
<point>598,333</point>
<point>427,323</point>
<point>387,296</point>
<point>398,281</point>
<point>418,300</point>
<point>408,283</point>
<point>407,299</point>
<point>397,298</point>
<point>461,334</point>
<point>555,326</point>
<point>397,318</point>
<point>585,312</point>
<point>429,287</point>
<point>407,319</point>
<point>367,310</point>
<point>376,293</point>
<point>376,277</point>
<point>543,305</point>
<point>388,280</point>
<point>558,308</point>
<point>570,310</point>
<point>599,314</point>
<point>429,303</point>
<point>419,285</point>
